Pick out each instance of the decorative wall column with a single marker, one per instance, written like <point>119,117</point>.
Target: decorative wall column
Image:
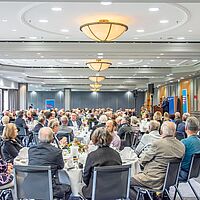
<point>23,96</point>
<point>67,96</point>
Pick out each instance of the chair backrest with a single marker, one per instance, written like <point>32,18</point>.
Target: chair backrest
<point>172,173</point>
<point>33,182</point>
<point>194,166</point>
<point>112,182</point>
<point>62,134</point>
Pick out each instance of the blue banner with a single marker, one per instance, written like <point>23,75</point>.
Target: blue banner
<point>171,105</point>
<point>185,100</point>
<point>49,104</point>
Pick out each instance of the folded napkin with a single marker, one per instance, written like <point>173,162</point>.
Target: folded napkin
<point>128,154</point>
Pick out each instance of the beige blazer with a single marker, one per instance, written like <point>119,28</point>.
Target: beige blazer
<point>155,161</point>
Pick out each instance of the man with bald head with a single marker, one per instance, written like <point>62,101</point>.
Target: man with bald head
<point>156,159</point>
<point>45,154</point>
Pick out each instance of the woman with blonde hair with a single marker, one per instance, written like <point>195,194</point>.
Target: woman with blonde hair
<point>11,144</point>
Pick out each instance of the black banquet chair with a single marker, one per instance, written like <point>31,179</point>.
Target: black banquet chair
<point>171,179</point>
<point>194,172</point>
<point>33,182</point>
<point>112,182</point>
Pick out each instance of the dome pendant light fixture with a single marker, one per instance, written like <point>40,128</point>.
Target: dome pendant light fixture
<point>103,30</point>
<point>96,79</point>
<point>95,85</point>
<point>99,65</point>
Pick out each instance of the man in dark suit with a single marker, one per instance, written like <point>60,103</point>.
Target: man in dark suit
<point>125,127</point>
<point>165,105</point>
<point>181,126</point>
<point>74,121</point>
<point>39,125</point>
<point>45,154</point>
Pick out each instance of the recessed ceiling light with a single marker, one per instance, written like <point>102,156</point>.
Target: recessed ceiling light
<point>67,37</point>
<point>130,60</point>
<point>33,38</point>
<point>100,57</point>
<point>14,30</point>
<point>194,60</point>
<point>135,38</point>
<point>64,30</point>
<point>4,20</point>
<point>119,63</point>
<point>106,3</point>
<point>140,30</point>
<point>190,75</point>
<point>76,63</point>
<point>180,38</point>
<point>100,54</point>
<point>38,53</point>
<point>182,78</point>
<point>158,57</point>
<point>171,74</point>
<point>57,9</point>
<point>190,31</point>
<point>172,60</point>
<point>41,56</point>
<point>151,60</point>
<point>154,9</point>
<point>43,20</point>
<point>164,21</point>
<point>145,65</point>
<point>162,54</point>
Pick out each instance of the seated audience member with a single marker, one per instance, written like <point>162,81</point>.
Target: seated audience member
<point>103,156</point>
<point>5,120</point>
<point>64,130</point>
<point>102,122</point>
<point>156,159</point>
<point>144,124</point>
<point>158,117</point>
<point>54,125</point>
<point>177,119</point>
<point>92,121</point>
<point>135,124</point>
<point>11,144</point>
<point>166,116</point>
<point>40,124</point>
<point>181,126</point>
<point>148,139</point>
<point>20,122</point>
<point>111,128</point>
<point>48,116</point>
<point>44,154</point>
<point>192,145</point>
<point>124,128</point>
<point>6,178</point>
<point>118,121</point>
<point>74,121</point>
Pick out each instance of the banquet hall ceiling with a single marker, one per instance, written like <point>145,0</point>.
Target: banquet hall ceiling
<point>41,44</point>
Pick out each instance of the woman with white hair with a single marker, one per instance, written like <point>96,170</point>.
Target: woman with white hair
<point>148,139</point>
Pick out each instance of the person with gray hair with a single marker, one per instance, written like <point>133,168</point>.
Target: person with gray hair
<point>181,126</point>
<point>156,159</point>
<point>45,154</point>
<point>148,139</point>
<point>103,156</point>
<point>192,145</point>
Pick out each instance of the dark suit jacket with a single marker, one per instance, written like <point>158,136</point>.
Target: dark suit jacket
<point>38,127</point>
<point>20,122</point>
<point>123,129</point>
<point>77,121</point>
<point>104,156</point>
<point>181,128</point>
<point>45,154</point>
<point>10,150</point>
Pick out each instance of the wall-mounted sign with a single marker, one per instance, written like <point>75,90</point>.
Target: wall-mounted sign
<point>49,104</point>
<point>184,100</point>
